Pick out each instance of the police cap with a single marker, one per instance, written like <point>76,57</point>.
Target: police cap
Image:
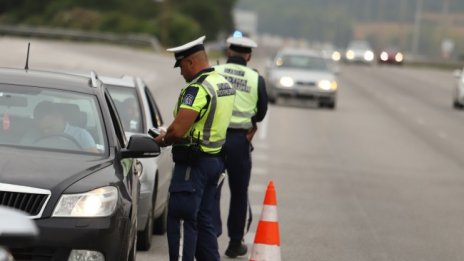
<point>241,44</point>
<point>183,51</point>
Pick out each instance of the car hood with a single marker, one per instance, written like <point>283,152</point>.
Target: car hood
<point>301,75</point>
<point>46,170</point>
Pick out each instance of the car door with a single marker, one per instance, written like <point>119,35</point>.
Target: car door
<point>165,163</point>
<point>130,172</point>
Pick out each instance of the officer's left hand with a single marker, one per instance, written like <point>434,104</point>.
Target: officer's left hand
<point>251,132</point>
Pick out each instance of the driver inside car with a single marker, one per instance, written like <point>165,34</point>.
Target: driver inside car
<point>52,124</point>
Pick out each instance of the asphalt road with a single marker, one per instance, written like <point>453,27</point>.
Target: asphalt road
<point>378,179</point>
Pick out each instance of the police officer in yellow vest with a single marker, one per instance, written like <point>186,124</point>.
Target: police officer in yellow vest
<point>201,117</point>
<point>250,107</point>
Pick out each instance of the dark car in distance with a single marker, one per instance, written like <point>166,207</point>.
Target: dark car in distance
<point>65,161</point>
<point>391,56</point>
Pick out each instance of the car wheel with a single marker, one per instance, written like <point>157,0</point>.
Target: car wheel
<point>144,237</point>
<point>161,223</point>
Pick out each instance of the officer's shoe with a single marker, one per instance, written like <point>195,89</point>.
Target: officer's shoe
<point>236,248</point>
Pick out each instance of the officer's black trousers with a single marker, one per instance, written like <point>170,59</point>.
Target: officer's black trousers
<point>238,165</point>
<point>190,226</point>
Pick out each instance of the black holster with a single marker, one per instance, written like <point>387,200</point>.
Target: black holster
<point>187,155</point>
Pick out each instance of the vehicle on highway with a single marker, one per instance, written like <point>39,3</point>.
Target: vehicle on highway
<point>64,160</point>
<point>390,55</point>
<point>458,97</point>
<point>138,111</point>
<point>301,74</point>
<point>331,52</point>
<point>359,51</point>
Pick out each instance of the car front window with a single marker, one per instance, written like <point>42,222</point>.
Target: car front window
<point>302,62</point>
<point>128,107</point>
<point>49,119</point>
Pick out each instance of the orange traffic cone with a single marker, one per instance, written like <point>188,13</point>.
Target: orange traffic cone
<point>267,243</point>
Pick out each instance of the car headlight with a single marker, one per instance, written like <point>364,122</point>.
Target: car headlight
<point>349,55</point>
<point>327,85</point>
<point>336,56</point>
<point>384,56</point>
<point>100,202</point>
<point>286,81</point>
<point>399,57</point>
<point>368,56</point>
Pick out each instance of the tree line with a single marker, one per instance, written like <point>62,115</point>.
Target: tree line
<point>172,21</point>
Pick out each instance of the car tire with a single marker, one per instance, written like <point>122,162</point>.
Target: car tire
<point>144,237</point>
<point>161,223</point>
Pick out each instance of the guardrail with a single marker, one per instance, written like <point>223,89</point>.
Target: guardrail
<point>62,33</point>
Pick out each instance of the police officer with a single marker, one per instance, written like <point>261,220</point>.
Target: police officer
<point>201,117</point>
<point>250,107</point>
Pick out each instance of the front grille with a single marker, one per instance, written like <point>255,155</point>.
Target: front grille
<point>306,83</point>
<point>28,202</point>
<point>33,254</point>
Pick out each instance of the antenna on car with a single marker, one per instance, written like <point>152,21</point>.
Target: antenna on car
<point>93,79</point>
<point>27,57</point>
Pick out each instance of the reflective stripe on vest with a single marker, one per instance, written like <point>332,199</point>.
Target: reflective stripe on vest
<point>245,82</point>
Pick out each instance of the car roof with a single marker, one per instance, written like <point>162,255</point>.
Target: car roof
<point>124,81</point>
<point>48,79</point>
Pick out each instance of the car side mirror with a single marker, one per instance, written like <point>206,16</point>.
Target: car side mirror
<point>141,146</point>
<point>16,229</point>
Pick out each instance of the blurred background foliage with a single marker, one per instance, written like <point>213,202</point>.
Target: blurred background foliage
<point>172,21</point>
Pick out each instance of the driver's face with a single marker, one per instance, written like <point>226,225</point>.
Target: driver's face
<point>51,124</point>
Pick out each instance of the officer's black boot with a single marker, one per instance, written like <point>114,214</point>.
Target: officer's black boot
<point>236,248</point>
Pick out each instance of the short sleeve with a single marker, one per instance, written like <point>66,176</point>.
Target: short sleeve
<point>194,98</point>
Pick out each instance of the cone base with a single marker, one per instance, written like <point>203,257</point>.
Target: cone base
<point>262,252</point>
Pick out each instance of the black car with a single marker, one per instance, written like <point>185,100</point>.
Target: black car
<point>64,159</point>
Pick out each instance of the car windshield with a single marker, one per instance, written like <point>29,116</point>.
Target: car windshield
<point>50,119</point>
<point>305,62</point>
<point>128,106</point>
<point>359,45</point>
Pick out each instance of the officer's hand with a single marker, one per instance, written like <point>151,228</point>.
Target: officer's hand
<point>160,138</point>
<point>251,132</point>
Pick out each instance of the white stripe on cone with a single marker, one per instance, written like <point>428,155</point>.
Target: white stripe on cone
<point>262,252</point>
<point>269,213</point>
